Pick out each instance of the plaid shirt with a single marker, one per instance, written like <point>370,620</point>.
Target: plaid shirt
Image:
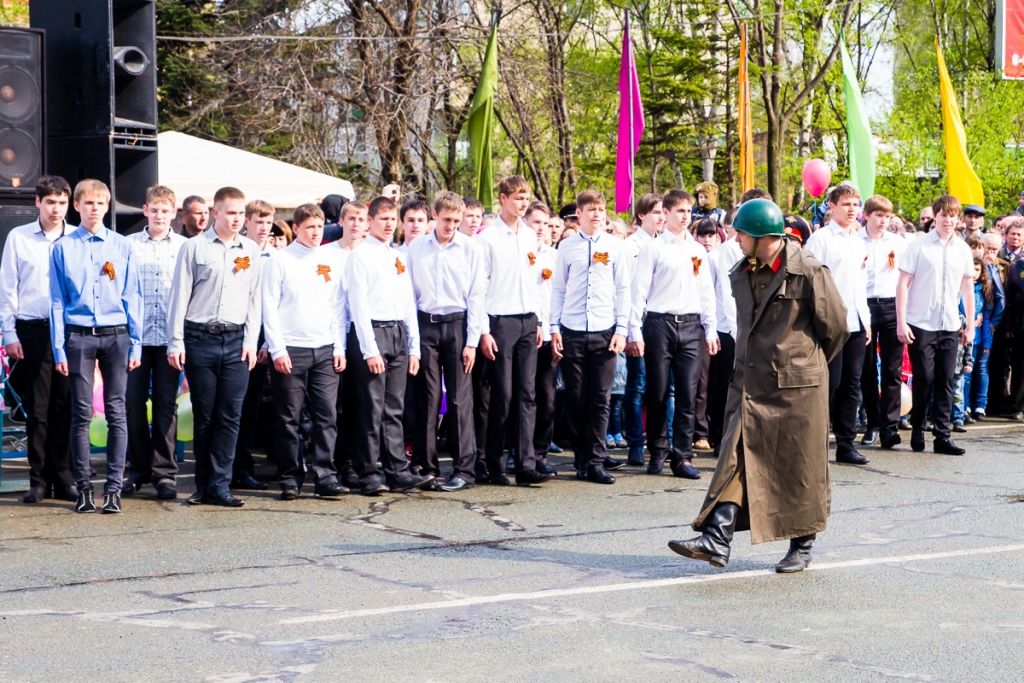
<point>155,261</point>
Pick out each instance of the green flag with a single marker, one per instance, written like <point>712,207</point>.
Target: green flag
<point>858,131</point>
<point>481,122</point>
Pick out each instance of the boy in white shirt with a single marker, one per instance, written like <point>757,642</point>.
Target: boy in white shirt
<point>936,274</point>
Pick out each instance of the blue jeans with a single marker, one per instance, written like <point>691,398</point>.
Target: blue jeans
<point>976,383</point>
<point>958,397</point>
<point>111,351</point>
<point>615,416</point>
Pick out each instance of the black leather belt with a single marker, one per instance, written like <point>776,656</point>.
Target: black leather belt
<point>878,300</point>
<point>385,323</point>
<point>674,318</point>
<point>34,322</point>
<point>438,319</point>
<point>214,328</point>
<point>520,316</point>
<point>105,331</point>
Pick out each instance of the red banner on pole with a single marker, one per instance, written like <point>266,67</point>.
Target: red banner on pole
<point>1010,38</point>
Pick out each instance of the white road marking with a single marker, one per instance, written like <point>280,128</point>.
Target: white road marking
<point>633,585</point>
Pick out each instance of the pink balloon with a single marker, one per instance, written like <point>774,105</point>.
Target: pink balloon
<point>816,176</point>
<point>98,407</point>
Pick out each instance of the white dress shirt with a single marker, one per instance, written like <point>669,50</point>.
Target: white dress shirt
<point>883,264</point>
<point>25,276</point>
<point>510,265</point>
<point>301,303</point>
<point>590,289</point>
<point>844,254</point>
<point>155,261</point>
<point>342,259</point>
<point>380,288</point>
<point>635,242</point>
<point>672,275</point>
<point>723,259</point>
<point>450,279</point>
<point>933,302</point>
<point>547,258</point>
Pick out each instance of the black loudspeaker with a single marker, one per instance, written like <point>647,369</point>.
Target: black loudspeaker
<point>22,110</point>
<point>101,97</point>
<point>16,208</point>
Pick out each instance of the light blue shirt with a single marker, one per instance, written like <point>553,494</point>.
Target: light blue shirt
<point>82,294</point>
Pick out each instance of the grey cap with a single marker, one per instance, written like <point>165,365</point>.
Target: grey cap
<point>974,208</point>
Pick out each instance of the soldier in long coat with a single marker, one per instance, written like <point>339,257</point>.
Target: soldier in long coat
<point>772,473</point>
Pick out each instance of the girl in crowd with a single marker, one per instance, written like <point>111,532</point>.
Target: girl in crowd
<point>989,304</point>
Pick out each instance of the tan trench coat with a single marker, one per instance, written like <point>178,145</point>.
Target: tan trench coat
<point>777,410</point>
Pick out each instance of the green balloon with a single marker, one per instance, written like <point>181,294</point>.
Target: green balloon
<point>149,410</point>
<point>186,426</point>
<point>98,431</point>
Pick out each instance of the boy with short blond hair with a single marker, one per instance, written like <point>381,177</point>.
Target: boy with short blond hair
<point>96,315</point>
<point>156,250</point>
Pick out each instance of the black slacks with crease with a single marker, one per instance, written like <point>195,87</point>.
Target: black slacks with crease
<point>380,402</point>
<point>514,370</point>
<point>247,424</point>
<point>312,375</point>
<point>671,347</point>
<point>933,362</point>
<point>882,398</point>
<point>588,369</point>
<point>152,455</point>
<point>441,346</point>
<point>843,386</point>
<point>547,376</point>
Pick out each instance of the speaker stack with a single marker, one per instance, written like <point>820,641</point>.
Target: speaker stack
<point>101,114</point>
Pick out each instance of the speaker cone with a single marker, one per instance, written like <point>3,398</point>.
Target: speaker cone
<point>19,159</point>
<point>19,94</point>
<point>131,59</point>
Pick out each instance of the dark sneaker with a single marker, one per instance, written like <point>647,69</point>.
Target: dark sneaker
<point>85,502</point>
<point>111,503</point>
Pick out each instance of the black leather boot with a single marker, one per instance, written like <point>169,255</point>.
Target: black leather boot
<point>799,556</point>
<point>713,545</point>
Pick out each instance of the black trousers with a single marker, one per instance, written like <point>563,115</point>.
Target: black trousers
<point>344,446</point>
<point>380,402</point>
<point>46,397</point>
<point>719,376</point>
<point>217,380</point>
<point>481,406</point>
<point>843,386</point>
<point>700,406</point>
<point>441,346</point>
<point>933,361</point>
<point>247,424</point>
<point>588,369</point>
<point>152,455</point>
<point>547,376</point>
<point>882,403</point>
<point>671,348</point>
<point>312,376</point>
<point>514,370</point>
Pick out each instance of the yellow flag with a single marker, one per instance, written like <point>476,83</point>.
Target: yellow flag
<point>746,134</point>
<point>962,181</point>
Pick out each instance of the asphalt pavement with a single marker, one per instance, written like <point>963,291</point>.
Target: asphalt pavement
<point>920,577</point>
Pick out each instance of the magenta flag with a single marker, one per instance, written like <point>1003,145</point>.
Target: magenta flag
<point>631,125</point>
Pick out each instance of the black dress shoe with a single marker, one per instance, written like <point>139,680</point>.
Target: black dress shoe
<point>111,503</point>
<point>455,484</point>
<point>350,480</point>
<point>165,491</point>
<point>373,489</point>
<point>290,493</point>
<point>636,457</point>
<point>498,479</point>
<point>34,495</point>
<point>132,483</point>
<point>917,440</point>
<point>944,446</point>
<point>713,546</point>
<point>481,473</point>
<point>851,458</point>
<point>223,498</point>
<point>799,556</point>
<point>613,464</point>
<point>85,502</point>
<point>904,425</point>
<point>69,494</point>
<point>870,438</point>
<point>598,475</point>
<point>890,438</point>
<point>332,490</point>
<point>196,498</point>
<point>409,482</point>
<point>581,475</point>
<point>656,464</point>
<point>248,482</point>
<point>545,468</point>
<point>530,477</point>
<point>685,470</point>
<point>432,486</point>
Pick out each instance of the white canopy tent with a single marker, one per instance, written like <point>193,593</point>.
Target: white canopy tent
<point>193,166</point>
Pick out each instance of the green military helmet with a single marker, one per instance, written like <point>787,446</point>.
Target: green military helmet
<point>760,218</point>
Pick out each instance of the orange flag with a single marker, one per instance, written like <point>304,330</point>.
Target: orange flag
<point>745,130</point>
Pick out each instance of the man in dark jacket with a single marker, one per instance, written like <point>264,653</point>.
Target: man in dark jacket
<point>772,473</point>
